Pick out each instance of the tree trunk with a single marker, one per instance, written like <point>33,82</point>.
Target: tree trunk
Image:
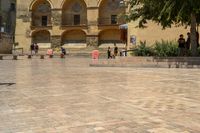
<point>193,35</point>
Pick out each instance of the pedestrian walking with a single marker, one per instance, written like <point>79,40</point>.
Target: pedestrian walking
<point>32,48</point>
<point>109,53</point>
<point>115,50</point>
<point>63,51</point>
<point>182,43</point>
<point>36,47</point>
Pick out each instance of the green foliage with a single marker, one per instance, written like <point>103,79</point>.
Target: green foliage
<point>143,50</point>
<point>166,48</point>
<point>164,12</point>
<point>161,49</point>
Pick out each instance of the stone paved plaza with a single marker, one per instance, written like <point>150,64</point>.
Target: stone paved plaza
<point>68,96</point>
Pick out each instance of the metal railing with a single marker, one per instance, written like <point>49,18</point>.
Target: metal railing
<point>110,41</point>
<point>82,22</point>
<point>73,41</point>
<point>110,21</point>
<point>49,24</point>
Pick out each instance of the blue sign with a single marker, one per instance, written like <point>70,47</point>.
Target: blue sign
<point>133,40</point>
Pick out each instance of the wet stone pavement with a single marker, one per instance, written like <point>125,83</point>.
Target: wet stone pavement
<point>68,96</point>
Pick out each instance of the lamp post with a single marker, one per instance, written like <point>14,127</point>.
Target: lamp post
<point>122,3</point>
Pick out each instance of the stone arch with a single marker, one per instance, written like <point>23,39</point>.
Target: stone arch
<point>74,12</point>
<point>41,13</point>
<point>73,36</point>
<point>110,36</point>
<point>35,1</point>
<point>113,11</point>
<point>41,36</point>
<point>64,1</point>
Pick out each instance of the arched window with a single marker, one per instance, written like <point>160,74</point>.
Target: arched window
<point>41,13</point>
<point>110,12</point>
<point>74,12</point>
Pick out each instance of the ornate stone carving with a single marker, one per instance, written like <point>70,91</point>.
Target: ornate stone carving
<point>92,41</point>
<point>44,8</point>
<point>113,4</point>
<point>76,7</point>
<point>24,15</point>
<point>55,41</point>
<point>56,18</point>
<point>28,33</point>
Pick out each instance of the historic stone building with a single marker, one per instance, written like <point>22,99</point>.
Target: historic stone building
<point>72,23</point>
<point>81,23</point>
<point>7,25</point>
<point>7,16</point>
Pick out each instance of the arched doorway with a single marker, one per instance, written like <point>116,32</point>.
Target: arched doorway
<point>41,13</point>
<point>74,38</point>
<point>42,38</point>
<point>74,12</point>
<point>110,37</point>
<point>110,12</point>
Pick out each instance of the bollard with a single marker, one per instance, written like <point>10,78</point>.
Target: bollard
<point>41,56</point>
<point>51,56</point>
<point>62,56</point>
<point>29,56</point>
<point>1,57</point>
<point>14,57</point>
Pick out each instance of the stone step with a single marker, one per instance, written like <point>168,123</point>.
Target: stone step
<point>145,65</point>
<point>148,62</point>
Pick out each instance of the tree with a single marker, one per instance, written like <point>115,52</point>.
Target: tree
<point>168,13</point>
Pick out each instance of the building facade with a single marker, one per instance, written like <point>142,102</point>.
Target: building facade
<point>7,25</point>
<point>8,16</point>
<point>82,23</point>
<point>69,23</point>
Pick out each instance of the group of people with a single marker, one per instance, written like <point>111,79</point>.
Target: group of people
<point>112,54</point>
<point>184,45</point>
<point>34,48</point>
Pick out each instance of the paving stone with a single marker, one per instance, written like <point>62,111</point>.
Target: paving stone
<point>68,96</point>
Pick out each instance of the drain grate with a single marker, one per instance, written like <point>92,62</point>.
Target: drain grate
<point>7,84</point>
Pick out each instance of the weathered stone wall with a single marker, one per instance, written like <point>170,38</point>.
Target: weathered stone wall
<point>6,44</point>
<point>55,41</point>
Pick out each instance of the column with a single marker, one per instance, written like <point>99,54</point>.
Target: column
<point>55,41</point>
<point>92,37</point>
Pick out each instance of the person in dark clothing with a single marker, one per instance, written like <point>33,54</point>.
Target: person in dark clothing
<point>197,34</point>
<point>109,53</point>
<point>181,42</point>
<point>63,51</point>
<point>188,43</point>
<point>115,50</point>
<point>32,47</point>
<point>36,48</point>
